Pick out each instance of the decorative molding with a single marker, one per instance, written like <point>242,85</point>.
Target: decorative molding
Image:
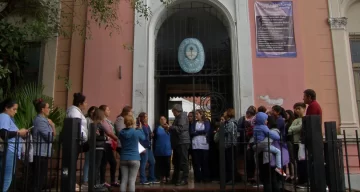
<point>337,22</point>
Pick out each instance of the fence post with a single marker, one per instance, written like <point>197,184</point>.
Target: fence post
<point>315,148</point>
<point>334,168</point>
<point>222,158</point>
<point>70,150</point>
<point>92,151</point>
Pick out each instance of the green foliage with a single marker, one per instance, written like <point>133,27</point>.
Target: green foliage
<point>67,82</point>
<point>25,95</point>
<point>40,19</point>
<point>12,47</point>
<point>4,72</point>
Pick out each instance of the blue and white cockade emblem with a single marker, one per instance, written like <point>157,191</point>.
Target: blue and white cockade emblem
<point>191,55</point>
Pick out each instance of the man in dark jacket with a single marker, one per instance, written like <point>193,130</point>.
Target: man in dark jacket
<point>180,142</point>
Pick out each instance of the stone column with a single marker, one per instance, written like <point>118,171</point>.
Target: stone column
<point>344,75</point>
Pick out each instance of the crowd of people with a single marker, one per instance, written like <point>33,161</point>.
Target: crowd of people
<point>273,134</point>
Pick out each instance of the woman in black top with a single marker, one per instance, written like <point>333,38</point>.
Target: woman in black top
<point>101,138</point>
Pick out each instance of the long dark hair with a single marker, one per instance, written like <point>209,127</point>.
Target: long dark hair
<point>142,117</point>
<point>291,116</point>
<point>271,122</point>
<point>91,111</point>
<point>7,103</point>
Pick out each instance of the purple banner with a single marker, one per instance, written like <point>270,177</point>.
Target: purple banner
<point>274,29</point>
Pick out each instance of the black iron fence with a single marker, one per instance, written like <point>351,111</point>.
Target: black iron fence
<point>313,164</point>
<point>35,165</point>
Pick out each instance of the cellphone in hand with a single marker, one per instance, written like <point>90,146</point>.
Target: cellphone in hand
<point>137,122</point>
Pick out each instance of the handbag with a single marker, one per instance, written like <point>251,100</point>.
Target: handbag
<point>113,145</point>
<point>301,153</point>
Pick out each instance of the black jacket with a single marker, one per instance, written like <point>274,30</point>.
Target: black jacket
<point>101,138</point>
<point>180,130</point>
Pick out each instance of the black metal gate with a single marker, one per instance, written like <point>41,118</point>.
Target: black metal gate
<point>213,84</point>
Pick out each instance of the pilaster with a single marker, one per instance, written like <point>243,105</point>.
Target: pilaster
<point>344,75</point>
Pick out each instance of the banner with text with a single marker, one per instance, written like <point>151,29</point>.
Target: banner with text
<point>274,29</point>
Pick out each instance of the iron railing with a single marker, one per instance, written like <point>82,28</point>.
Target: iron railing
<point>341,165</point>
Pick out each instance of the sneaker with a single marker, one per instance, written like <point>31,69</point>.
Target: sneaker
<point>155,182</point>
<point>182,183</point>
<point>301,186</point>
<point>145,183</point>
<point>100,187</point>
<point>106,185</point>
<point>116,184</point>
<point>84,186</point>
<point>280,171</point>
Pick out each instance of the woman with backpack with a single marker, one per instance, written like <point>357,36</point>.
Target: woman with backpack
<point>230,131</point>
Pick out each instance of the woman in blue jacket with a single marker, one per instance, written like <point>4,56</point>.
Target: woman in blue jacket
<point>200,146</point>
<point>162,151</point>
<point>129,155</point>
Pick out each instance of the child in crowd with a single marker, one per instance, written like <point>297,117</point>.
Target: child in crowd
<point>263,137</point>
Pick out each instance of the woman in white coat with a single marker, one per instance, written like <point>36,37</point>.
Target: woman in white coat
<point>76,111</point>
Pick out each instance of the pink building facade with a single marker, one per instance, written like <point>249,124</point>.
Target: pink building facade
<point>123,69</point>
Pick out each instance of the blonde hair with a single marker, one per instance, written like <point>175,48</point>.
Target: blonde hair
<point>129,121</point>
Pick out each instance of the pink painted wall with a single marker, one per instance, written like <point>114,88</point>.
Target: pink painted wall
<point>278,77</point>
<point>103,56</point>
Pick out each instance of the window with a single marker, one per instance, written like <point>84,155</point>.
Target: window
<point>355,58</point>
<point>33,53</point>
<point>355,48</point>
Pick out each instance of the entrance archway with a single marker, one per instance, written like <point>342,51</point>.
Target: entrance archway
<point>213,85</point>
<point>234,13</point>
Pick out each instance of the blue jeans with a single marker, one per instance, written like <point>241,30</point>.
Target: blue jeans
<point>9,166</point>
<point>148,156</point>
<point>277,153</point>
<point>86,168</point>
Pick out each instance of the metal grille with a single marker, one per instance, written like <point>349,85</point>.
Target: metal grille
<point>214,82</point>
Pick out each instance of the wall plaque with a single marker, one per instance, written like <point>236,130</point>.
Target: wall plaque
<point>191,55</point>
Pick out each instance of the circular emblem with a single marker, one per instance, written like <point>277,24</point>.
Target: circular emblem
<point>191,55</point>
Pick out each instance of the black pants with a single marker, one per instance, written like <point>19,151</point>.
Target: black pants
<point>268,176</point>
<point>201,167</point>
<point>181,162</point>
<point>231,165</point>
<point>98,159</point>
<point>302,171</point>
<point>118,149</point>
<point>40,170</point>
<point>162,166</point>
<point>250,163</point>
<point>108,157</point>
<point>214,162</point>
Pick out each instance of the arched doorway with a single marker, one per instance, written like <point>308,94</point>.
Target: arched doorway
<point>211,89</point>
